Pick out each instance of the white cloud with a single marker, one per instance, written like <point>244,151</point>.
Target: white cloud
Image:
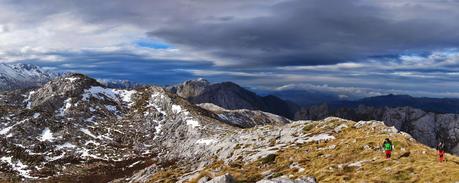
<point>67,32</point>
<point>335,67</point>
<point>359,92</point>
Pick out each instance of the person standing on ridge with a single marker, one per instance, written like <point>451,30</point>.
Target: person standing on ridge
<point>387,145</point>
<point>441,151</point>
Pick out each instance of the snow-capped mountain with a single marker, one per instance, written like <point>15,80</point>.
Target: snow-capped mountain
<point>66,127</point>
<point>16,76</point>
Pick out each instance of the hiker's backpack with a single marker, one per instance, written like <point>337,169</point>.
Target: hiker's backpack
<point>387,146</point>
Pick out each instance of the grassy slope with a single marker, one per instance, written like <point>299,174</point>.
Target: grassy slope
<point>329,164</point>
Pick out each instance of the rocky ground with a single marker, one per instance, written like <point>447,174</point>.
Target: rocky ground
<point>244,118</point>
<point>426,127</point>
<point>330,150</point>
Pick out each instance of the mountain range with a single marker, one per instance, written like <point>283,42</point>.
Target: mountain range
<point>74,129</point>
<point>229,95</point>
<point>436,105</point>
<point>77,129</point>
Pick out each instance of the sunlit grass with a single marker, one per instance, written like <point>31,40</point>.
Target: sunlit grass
<point>341,163</point>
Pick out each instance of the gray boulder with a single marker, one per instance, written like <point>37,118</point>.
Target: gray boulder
<point>283,179</point>
<point>227,178</point>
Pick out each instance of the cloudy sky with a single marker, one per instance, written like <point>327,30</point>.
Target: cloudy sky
<point>353,48</point>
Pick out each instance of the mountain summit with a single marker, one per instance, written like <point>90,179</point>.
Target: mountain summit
<point>232,96</point>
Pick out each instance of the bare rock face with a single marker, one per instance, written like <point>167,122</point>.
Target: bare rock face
<point>223,179</point>
<point>190,89</point>
<point>19,76</point>
<point>229,95</point>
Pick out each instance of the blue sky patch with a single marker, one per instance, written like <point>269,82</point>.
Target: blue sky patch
<point>147,43</point>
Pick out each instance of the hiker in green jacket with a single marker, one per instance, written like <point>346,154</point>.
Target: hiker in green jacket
<point>387,145</point>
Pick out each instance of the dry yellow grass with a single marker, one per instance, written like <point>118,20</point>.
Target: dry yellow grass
<point>169,175</point>
<point>352,145</point>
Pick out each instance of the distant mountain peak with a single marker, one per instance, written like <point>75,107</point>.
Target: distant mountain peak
<point>17,76</point>
<point>200,81</point>
<point>230,95</point>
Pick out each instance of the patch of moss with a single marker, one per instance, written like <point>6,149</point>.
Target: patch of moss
<point>308,127</point>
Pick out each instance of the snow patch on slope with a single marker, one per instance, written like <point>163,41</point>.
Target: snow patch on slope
<point>65,107</point>
<point>89,133</point>
<point>176,109</point>
<point>206,141</point>
<point>46,135</point>
<point>114,94</point>
<point>72,79</point>
<point>18,166</point>
<point>193,123</point>
<point>27,101</point>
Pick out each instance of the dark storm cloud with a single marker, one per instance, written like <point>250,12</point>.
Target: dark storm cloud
<point>320,32</point>
<point>365,47</point>
<point>276,32</point>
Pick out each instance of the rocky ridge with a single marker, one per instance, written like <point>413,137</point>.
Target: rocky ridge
<point>427,127</point>
<point>330,150</point>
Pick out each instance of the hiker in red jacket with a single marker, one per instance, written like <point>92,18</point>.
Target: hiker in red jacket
<point>387,145</point>
<point>441,151</point>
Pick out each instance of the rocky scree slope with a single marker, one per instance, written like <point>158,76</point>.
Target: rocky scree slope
<point>229,95</point>
<point>17,76</point>
<point>244,118</point>
<point>73,129</point>
<point>330,150</point>
<point>427,127</point>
